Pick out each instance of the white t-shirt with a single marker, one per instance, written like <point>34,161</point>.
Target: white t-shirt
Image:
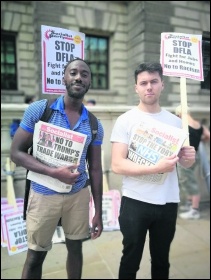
<point>144,191</point>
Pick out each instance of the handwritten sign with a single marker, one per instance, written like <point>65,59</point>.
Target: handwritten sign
<point>58,47</point>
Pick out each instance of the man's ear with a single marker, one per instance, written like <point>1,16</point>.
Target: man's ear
<point>90,84</point>
<point>63,82</point>
<point>135,87</point>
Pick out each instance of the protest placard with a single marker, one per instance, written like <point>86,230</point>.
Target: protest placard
<point>16,232</point>
<point>7,209</point>
<point>181,55</point>
<point>59,46</point>
<point>110,210</point>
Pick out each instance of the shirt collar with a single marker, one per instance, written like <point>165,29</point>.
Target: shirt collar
<point>59,106</point>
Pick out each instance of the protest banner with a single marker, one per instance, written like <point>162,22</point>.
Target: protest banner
<point>151,141</point>
<point>181,56</point>
<point>58,47</point>
<point>55,146</point>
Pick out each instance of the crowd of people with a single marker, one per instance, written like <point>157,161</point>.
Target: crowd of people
<point>145,206</point>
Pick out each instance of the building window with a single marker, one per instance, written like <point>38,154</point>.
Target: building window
<point>96,54</point>
<point>206,62</point>
<point>8,61</point>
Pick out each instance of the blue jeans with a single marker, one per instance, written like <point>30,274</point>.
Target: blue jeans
<point>135,219</point>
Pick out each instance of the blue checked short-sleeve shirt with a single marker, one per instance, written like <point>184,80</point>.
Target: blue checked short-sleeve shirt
<point>33,114</point>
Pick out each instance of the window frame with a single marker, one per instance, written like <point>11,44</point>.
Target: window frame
<point>98,63</point>
<point>205,85</point>
<point>5,38</point>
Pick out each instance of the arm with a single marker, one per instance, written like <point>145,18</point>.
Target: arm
<point>206,134</point>
<point>121,165</point>
<point>22,141</point>
<point>95,175</point>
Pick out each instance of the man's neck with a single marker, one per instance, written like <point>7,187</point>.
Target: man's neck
<point>152,109</point>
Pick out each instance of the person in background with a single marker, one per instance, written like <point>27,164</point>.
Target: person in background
<point>147,206</point>
<point>187,178</point>
<point>204,155</point>
<point>29,99</point>
<point>14,126</point>
<point>46,206</point>
<point>204,163</point>
<point>91,102</point>
<point>16,122</point>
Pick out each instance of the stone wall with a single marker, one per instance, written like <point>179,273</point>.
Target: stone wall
<point>134,29</point>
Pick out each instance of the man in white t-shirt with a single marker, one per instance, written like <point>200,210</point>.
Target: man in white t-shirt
<point>147,205</point>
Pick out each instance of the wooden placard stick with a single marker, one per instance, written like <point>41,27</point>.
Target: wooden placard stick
<point>184,108</point>
<point>105,181</point>
<point>10,187</point>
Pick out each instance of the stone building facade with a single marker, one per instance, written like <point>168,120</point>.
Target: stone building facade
<point>134,30</point>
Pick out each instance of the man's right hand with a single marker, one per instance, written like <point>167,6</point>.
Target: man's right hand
<point>65,174</point>
<point>167,164</point>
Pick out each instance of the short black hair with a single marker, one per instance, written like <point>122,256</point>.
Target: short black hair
<point>91,101</point>
<point>150,67</point>
<point>29,99</point>
<point>74,59</point>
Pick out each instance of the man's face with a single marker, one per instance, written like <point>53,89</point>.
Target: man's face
<point>149,87</point>
<point>77,79</point>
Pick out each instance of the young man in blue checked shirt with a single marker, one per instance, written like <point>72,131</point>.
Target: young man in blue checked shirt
<point>46,207</point>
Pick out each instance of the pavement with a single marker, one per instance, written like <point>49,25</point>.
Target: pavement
<point>189,254</point>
